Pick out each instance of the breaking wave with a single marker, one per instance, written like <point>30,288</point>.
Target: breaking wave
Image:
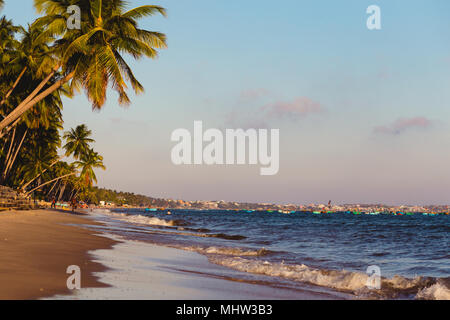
<point>149,221</point>
<point>438,291</point>
<point>229,251</point>
<point>345,281</point>
<point>140,219</point>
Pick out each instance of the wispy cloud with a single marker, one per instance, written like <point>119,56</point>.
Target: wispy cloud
<point>404,124</point>
<point>298,108</point>
<point>259,107</point>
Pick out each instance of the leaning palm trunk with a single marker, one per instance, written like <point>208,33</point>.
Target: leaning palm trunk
<point>9,151</point>
<point>9,128</point>
<point>73,194</point>
<point>53,187</point>
<point>14,86</point>
<point>24,187</point>
<point>76,194</point>
<point>51,181</point>
<point>14,157</point>
<point>61,191</point>
<point>34,98</point>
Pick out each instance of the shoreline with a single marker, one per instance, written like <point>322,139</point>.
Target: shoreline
<point>140,270</point>
<point>38,246</point>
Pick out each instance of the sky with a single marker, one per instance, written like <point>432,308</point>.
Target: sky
<point>363,115</point>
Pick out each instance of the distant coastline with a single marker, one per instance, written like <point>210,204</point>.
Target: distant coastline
<point>117,199</point>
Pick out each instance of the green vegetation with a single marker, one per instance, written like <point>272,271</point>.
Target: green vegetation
<point>123,198</point>
<point>46,61</point>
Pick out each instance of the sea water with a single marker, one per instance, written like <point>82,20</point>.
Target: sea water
<point>329,250</point>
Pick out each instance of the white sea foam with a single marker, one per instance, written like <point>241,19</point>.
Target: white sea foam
<point>101,211</point>
<point>148,220</point>
<point>138,219</point>
<point>342,280</point>
<point>228,251</point>
<point>437,291</point>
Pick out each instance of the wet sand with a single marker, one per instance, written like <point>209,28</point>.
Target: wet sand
<point>143,271</point>
<point>36,247</point>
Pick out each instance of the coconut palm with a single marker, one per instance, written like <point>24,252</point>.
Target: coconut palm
<point>8,49</point>
<point>31,53</point>
<point>36,163</point>
<point>92,58</point>
<point>78,141</point>
<point>87,163</point>
<point>65,171</point>
<point>40,126</point>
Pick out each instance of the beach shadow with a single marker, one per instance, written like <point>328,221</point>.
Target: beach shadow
<point>75,213</point>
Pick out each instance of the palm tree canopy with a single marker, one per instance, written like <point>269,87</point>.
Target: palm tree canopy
<point>95,52</point>
<point>78,141</point>
<point>88,162</point>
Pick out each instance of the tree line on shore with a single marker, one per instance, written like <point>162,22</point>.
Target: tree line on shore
<point>121,198</point>
<point>45,62</point>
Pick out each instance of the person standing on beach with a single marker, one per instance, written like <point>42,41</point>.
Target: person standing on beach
<point>53,206</point>
<point>74,204</point>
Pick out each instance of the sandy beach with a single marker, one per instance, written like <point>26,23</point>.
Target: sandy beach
<point>143,271</point>
<point>122,260</point>
<point>36,249</point>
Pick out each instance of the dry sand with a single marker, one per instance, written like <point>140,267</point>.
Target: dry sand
<point>36,247</point>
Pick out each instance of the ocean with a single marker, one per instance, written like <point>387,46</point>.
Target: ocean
<point>328,251</point>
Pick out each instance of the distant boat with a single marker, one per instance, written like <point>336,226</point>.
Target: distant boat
<point>151,210</point>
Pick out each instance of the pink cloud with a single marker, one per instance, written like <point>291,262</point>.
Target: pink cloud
<point>261,117</point>
<point>403,124</point>
<point>298,108</point>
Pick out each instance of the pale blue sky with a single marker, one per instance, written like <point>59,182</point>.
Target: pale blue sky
<point>383,134</point>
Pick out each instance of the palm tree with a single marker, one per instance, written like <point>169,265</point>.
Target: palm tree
<point>88,162</point>
<point>78,141</point>
<point>8,50</point>
<point>91,58</point>
<point>77,144</point>
<point>31,53</point>
<point>65,171</point>
<point>41,126</point>
<point>36,163</point>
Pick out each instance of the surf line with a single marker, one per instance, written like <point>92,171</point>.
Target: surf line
<point>227,149</point>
